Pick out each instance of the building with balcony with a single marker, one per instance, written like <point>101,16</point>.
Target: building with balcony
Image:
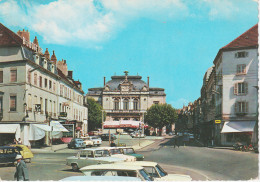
<point>35,89</point>
<point>236,66</point>
<point>125,99</point>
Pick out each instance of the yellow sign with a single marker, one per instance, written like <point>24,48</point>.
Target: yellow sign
<point>217,121</point>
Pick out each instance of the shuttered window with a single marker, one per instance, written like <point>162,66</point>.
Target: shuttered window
<point>29,77</point>
<point>241,107</point>
<point>241,54</point>
<point>13,75</point>
<point>1,76</point>
<point>13,103</point>
<point>241,69</point>
<point>45,83</point>
<point>241,88</point>
<point>40,80</point>
<point>35,79</point>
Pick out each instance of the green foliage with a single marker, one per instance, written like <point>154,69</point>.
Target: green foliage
<point>160,115</point>
<point>94,114</point>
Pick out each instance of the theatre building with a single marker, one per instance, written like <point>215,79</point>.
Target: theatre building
<point>125,99</point>
<point>39,99</point>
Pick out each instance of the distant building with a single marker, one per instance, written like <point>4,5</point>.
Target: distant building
<point>125,99</point>
<point>36,89</point>
<point>236,66</point>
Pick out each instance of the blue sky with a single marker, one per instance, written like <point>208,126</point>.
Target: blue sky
<point>173,42</point>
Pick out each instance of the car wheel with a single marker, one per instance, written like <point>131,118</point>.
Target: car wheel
<point>74,167</point>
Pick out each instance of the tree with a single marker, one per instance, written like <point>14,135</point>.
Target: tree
<point>94,114</point>
<point>160,115</point>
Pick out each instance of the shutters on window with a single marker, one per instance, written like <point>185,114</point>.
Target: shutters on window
<point>13,75</point>
<point>12,103</point>
<point>235,88</point>
<point>1,76</point>
<point>246,87</point>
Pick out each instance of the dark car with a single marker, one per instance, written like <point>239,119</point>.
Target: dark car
<point>105,137</point>
<point>8,154</point>
<point>76,143</point>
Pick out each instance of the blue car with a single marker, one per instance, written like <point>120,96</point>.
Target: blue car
<point>76,143</point>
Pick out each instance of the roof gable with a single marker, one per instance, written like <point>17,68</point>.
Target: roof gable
<point>247,39</point>
<point>8,37</point>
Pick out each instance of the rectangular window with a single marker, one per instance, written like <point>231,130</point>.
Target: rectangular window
<point>61,90</point>
<point>29,77</point>
<point>54,86</point>
<point>41,102</point>
<point>50,84</point>
<point>241,54</point>
<point>156,102</point>
<point>241,88</point>
<point>241,107</point>
<point>35,79</point>
<point>12,103</point>
<point>241,69</point>
<point>1,106</point>
<point>40,80</point>
<point>1,76</point>
<point>45,82</point>
<point>29,102</point>
<point>13,75</point>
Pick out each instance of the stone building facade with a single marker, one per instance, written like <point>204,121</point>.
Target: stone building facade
<point>126,98</point>
<point>35,88</point>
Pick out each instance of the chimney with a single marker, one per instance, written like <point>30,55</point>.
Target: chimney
<point>24,34</point>
<point>70,73</point>
<point>104,81</point>
<point>35,41</point>
<point>53,58</point>
<point>148,81</point>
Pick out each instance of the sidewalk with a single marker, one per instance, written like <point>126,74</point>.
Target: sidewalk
<point>57,148</point>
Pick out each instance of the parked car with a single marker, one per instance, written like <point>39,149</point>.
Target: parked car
<point>105,137</point>
<point>116,170</point>
<point>87,141</point>
<point>137,134</point>
<point>96,140</point>
<point>92,133</point>
<point>116,152</point>
<point>101,178</point>
<point>131,151</point>
<point>25,152</point>
<point>157,172</point>
<point>86,157</point>
<point>8,154</point>
<point>76,143</point>
<point>191,136</point>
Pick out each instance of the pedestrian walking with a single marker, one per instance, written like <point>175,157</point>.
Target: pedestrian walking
<point>175,143</point>
<point>21,173</point>
<point>15,141</point>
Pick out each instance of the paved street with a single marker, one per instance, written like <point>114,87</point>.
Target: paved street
<point>200,162</point>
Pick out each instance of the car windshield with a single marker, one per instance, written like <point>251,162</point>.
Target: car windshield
<point>145,175</point>
<point>129,151</point>
<point>94,137</point>
<point>115,151</point>
<point>102,153</point>
<point>79,140</point>
<point>161,171</point>
<point>152,171</point>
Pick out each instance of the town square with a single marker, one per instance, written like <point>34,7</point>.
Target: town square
<point>129,90</point>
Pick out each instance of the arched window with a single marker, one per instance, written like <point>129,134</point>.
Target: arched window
<point>116,104</point>
<point>126,105</point>
<point>136,104</point>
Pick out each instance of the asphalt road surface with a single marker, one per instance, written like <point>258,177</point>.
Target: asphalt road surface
<point>200,162</point>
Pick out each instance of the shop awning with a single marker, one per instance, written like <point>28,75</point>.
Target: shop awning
<point>58,127</point>
<point>111,124</point>
<point>44,127</point>
<point>238,126</point>
<point>121,124</point>
<point>9,128</point>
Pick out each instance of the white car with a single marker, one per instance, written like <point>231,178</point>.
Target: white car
<point>116,152</point>
<point>116,170</point>
<point>92,156</point>
<point>156,171</point>
<point>97,140</point>
<point>100,178</point>
<point>137,134</point>
<point>87,141</point>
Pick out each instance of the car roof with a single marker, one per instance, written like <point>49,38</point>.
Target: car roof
<point>141,163</point>
<point>92,149</point>
<point>101,178</point>
<point>7,147</point>
<point>111,166</point>
<point>125,147</point>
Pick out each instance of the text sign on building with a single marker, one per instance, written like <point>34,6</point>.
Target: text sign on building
<point>38,107</point>
<point>217,121</point>
<point>63,114</point>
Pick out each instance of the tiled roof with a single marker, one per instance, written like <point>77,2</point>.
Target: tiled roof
<point>247,39</point>
<point>8,37</point>
<point>117,80</point>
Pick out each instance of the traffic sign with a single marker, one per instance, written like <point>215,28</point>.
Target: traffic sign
<point>217,121</point>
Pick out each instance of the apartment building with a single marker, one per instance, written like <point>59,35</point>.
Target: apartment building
<point>36,89</point>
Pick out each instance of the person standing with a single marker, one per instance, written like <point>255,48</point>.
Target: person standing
<point>19,141</point>
<point>21,173</point>
<point>112,144</point>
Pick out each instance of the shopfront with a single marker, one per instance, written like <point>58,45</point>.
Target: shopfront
<point>237,131</point>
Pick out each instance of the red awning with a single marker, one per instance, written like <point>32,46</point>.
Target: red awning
<point>122,124</point>
<point>78,128</point>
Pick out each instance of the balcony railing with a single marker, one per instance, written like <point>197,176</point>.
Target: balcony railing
<point>124,111</point>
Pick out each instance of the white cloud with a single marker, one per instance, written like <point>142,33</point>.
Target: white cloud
<point>91,22</point>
